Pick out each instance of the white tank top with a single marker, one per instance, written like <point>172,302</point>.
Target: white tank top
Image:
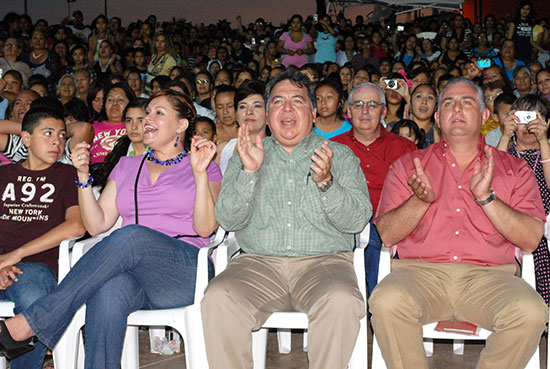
<point>227,153</point>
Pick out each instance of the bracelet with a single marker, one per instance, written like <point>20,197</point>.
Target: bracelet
<point>545,161</point>
<point>491,197</point>
<point>84,184</point>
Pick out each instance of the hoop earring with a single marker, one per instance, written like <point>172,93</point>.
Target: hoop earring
<point>176,143</point>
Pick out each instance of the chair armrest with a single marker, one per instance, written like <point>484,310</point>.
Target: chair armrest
<point>528,269</point>
<point>81,247</point>
<point>384,267</point>
<point>201,280</point>
<point>359,267</point>
<point>225,252</point>
<point>64,262</point>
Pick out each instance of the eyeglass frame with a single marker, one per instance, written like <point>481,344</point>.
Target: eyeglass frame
<point>371,104</point>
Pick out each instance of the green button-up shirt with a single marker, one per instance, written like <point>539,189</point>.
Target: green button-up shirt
<point>280,211</point>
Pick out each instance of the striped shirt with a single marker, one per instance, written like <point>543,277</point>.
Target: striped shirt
<point>280,211</point>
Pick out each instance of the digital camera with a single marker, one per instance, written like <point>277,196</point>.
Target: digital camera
<point>526,116</point>
<point>391,84</point>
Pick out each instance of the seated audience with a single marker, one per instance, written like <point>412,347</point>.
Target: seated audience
<point>117,277</point>
<point>297,256</point>
<point>38,210</point>
<point>456,213</point>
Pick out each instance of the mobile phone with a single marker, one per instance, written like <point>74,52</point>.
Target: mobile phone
<point>400,28</point>
<point>484,63</point>
<point>1,72</point>
<point>316,17</point>
<point>391,84</point>
<point>525,116</point>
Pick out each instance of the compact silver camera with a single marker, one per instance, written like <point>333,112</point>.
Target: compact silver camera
<point>526,116</point>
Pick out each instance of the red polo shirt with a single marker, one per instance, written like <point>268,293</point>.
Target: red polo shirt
<point>377,157</point>
<point>455,228</point>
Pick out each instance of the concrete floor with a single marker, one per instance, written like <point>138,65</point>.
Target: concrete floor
<point>443,355</point>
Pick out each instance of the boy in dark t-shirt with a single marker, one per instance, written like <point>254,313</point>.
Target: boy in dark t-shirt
<point>38,209</point>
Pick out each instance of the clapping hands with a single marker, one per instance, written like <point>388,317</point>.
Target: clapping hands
<point>252,156</point>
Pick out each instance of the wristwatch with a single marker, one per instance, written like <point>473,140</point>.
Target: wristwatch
<point>491,197</point>
<point>326,185</point>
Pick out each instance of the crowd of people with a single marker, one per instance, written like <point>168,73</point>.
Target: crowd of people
<point>317,128</point>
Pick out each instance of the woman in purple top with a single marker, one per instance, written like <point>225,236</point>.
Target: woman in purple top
<point>150,263</point>
<point>295,44</point>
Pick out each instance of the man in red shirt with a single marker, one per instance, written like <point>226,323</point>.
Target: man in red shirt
<point>377,149</point>
<point>456,212</point>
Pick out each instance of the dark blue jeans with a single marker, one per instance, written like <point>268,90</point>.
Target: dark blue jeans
<point>37,280</point>
<point>372,257</point>
<point>134,268</point>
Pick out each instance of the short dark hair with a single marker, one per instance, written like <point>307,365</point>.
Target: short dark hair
<point>248,88</point>
<point>15,74</point>
<point>77,109</point>
<point>224,89</point>
<point>297,79</point>
<point>504,98</point>
<point>35,115</point>
<point>47,102</point>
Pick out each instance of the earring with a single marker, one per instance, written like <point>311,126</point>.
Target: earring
<point>176,143</point>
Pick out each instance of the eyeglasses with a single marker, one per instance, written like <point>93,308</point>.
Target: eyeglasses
<point>11,45</point>
<point>202,81</point>
<point>371,105</point>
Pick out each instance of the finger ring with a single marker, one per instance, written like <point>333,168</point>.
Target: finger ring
<point>79,157</point>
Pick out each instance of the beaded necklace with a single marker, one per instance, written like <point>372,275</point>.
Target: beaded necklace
<point>177,159</point>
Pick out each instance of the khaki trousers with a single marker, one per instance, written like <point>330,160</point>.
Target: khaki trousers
<point>418,292</point>
<point>252,287</point>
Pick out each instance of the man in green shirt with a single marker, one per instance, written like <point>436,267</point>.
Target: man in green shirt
<point>294,203</point>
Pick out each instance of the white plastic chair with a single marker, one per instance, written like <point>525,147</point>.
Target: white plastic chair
<point>6,307</point>
<point>429,332</point>
<point>186,320</point>
<point>285,321</point>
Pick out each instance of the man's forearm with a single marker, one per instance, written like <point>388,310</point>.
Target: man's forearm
<point>52,238</point>
<point>10,127</point>
<point>234,205</point>
<point>521,229</point>
<point>397,224</point>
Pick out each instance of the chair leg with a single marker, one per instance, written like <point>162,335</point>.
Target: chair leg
<point>284,337</point>
<point>66,353</point>
<point>377,358</point>
<point>429,346</point>
<point>305,340</point>
<point>534,362</point>
<point>192,331</point>
<point>81,354</point>
<point>259,348</point>
<point>359,356</point>
<point>130,350</point>
<point>458,347</point>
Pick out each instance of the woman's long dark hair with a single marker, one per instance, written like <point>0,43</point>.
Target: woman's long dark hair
<point>93,90</point>
<point>119,150</point>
